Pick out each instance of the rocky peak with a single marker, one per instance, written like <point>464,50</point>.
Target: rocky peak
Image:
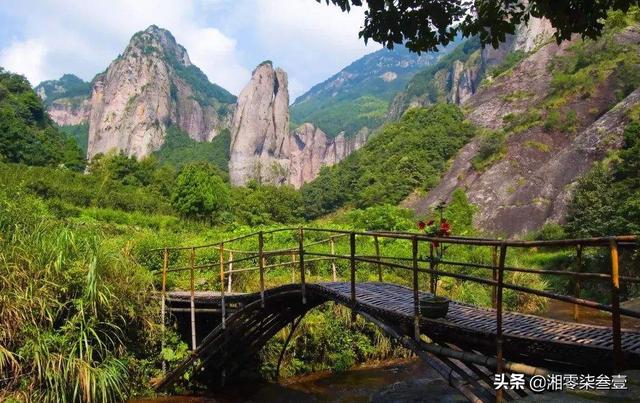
<point>259,128</point>
<point>262,148</point>
<point>153,85</point>
<point>155,39</point>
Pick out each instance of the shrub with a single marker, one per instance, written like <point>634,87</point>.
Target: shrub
<point>200,193</point>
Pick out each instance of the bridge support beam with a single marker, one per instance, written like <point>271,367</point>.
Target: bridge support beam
<point>352,260</point>
<point>615,306</point>
<point>416,291</point>
<point>499,354</point>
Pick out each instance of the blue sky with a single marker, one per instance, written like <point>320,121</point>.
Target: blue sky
<point>44,39</point>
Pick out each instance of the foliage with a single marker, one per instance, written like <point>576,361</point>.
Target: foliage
<point>75,311</point>
<point>404,156</point>
<point>27,134</point>
<point>606,200</point>
<point>327,340</point>
<point>425,24</point>
<point>179,149</point>
<point>382,218</point>
<point>79,133</point>
<point>589,63</point>
<point>200,193</point>
<point>492,147</point>
<point>258,204</point>
<point>67,86</point>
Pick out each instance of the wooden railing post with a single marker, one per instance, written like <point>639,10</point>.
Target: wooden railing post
<point>293,268</point>
<point>416,291</point>
<point>230,270</point>
<point>222,302</point>
<point>615,306</point>
<point>494,263</point>
<point>333,261</point>
<point>163,308</point>
<point>432,267</point>
<point>499,354</point>
<point>352,259</point>
<point>301,259</point>
<point>193,298</point>
<point>261,265</point>
<point>377,245</point>
<point>576,284</point>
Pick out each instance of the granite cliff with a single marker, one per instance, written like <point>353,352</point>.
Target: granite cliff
<point>263,148</point>
<point>549,118</point>
<point>150,87</point>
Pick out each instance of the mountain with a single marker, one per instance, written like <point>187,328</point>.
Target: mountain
<point>262,147</point>
<point>459,73</point>
<point>544,115</point>
<point>549,118</point>
<point>152,86</point>
<point>358,95</point>
<point>66,99</point>
<point>27,134</point>
<point>67,86</point>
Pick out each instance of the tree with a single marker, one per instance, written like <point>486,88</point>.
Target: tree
<point>199,193</point>
<point>424,24</point>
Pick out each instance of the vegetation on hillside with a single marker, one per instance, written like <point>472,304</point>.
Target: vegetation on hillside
<point>358,96</point>
<point>348,115</point>
<point>426,83</point>
<point>79,133</point>
<point>606,200</point>
<point>404,156</point>
<point>68,86</point>
<point>179,149</point>
<point>27,134</point>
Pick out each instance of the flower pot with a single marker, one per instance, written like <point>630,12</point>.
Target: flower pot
<point>433,307</point>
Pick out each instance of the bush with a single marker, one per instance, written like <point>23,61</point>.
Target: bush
<point>200,193</point>
<point>382,218</point>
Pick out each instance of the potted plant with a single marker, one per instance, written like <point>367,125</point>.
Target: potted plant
<point>431,305</point>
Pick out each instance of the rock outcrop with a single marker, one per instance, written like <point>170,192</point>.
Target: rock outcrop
<point>263,149</point>
<point>308,149</point>
<point>260,127</point>
<point>531,183</point>
<point>459,79</point>
<point>152,86</point>
<point>70,111</point>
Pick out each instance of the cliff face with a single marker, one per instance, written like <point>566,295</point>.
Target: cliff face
<point>151,86</point>
<point>308,149</point>
<point>458,75</point>
<point>263,149</point>
<point>260,127</point>
<point>70,111</point>
<point>554,131</point>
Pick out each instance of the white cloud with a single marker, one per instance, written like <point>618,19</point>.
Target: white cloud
<point>215,54</point>
<point>25,57</point>
<point>225,38</point>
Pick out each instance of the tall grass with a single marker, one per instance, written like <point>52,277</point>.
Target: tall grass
<point>74,313</point>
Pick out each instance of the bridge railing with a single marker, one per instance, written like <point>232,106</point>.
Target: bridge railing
<point>246,262</point>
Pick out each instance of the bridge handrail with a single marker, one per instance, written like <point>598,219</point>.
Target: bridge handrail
<point>499,247</point>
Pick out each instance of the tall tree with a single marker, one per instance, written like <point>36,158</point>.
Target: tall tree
<point>424,24</point>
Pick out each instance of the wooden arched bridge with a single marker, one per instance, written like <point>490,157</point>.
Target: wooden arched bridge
<point>382,276</point>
